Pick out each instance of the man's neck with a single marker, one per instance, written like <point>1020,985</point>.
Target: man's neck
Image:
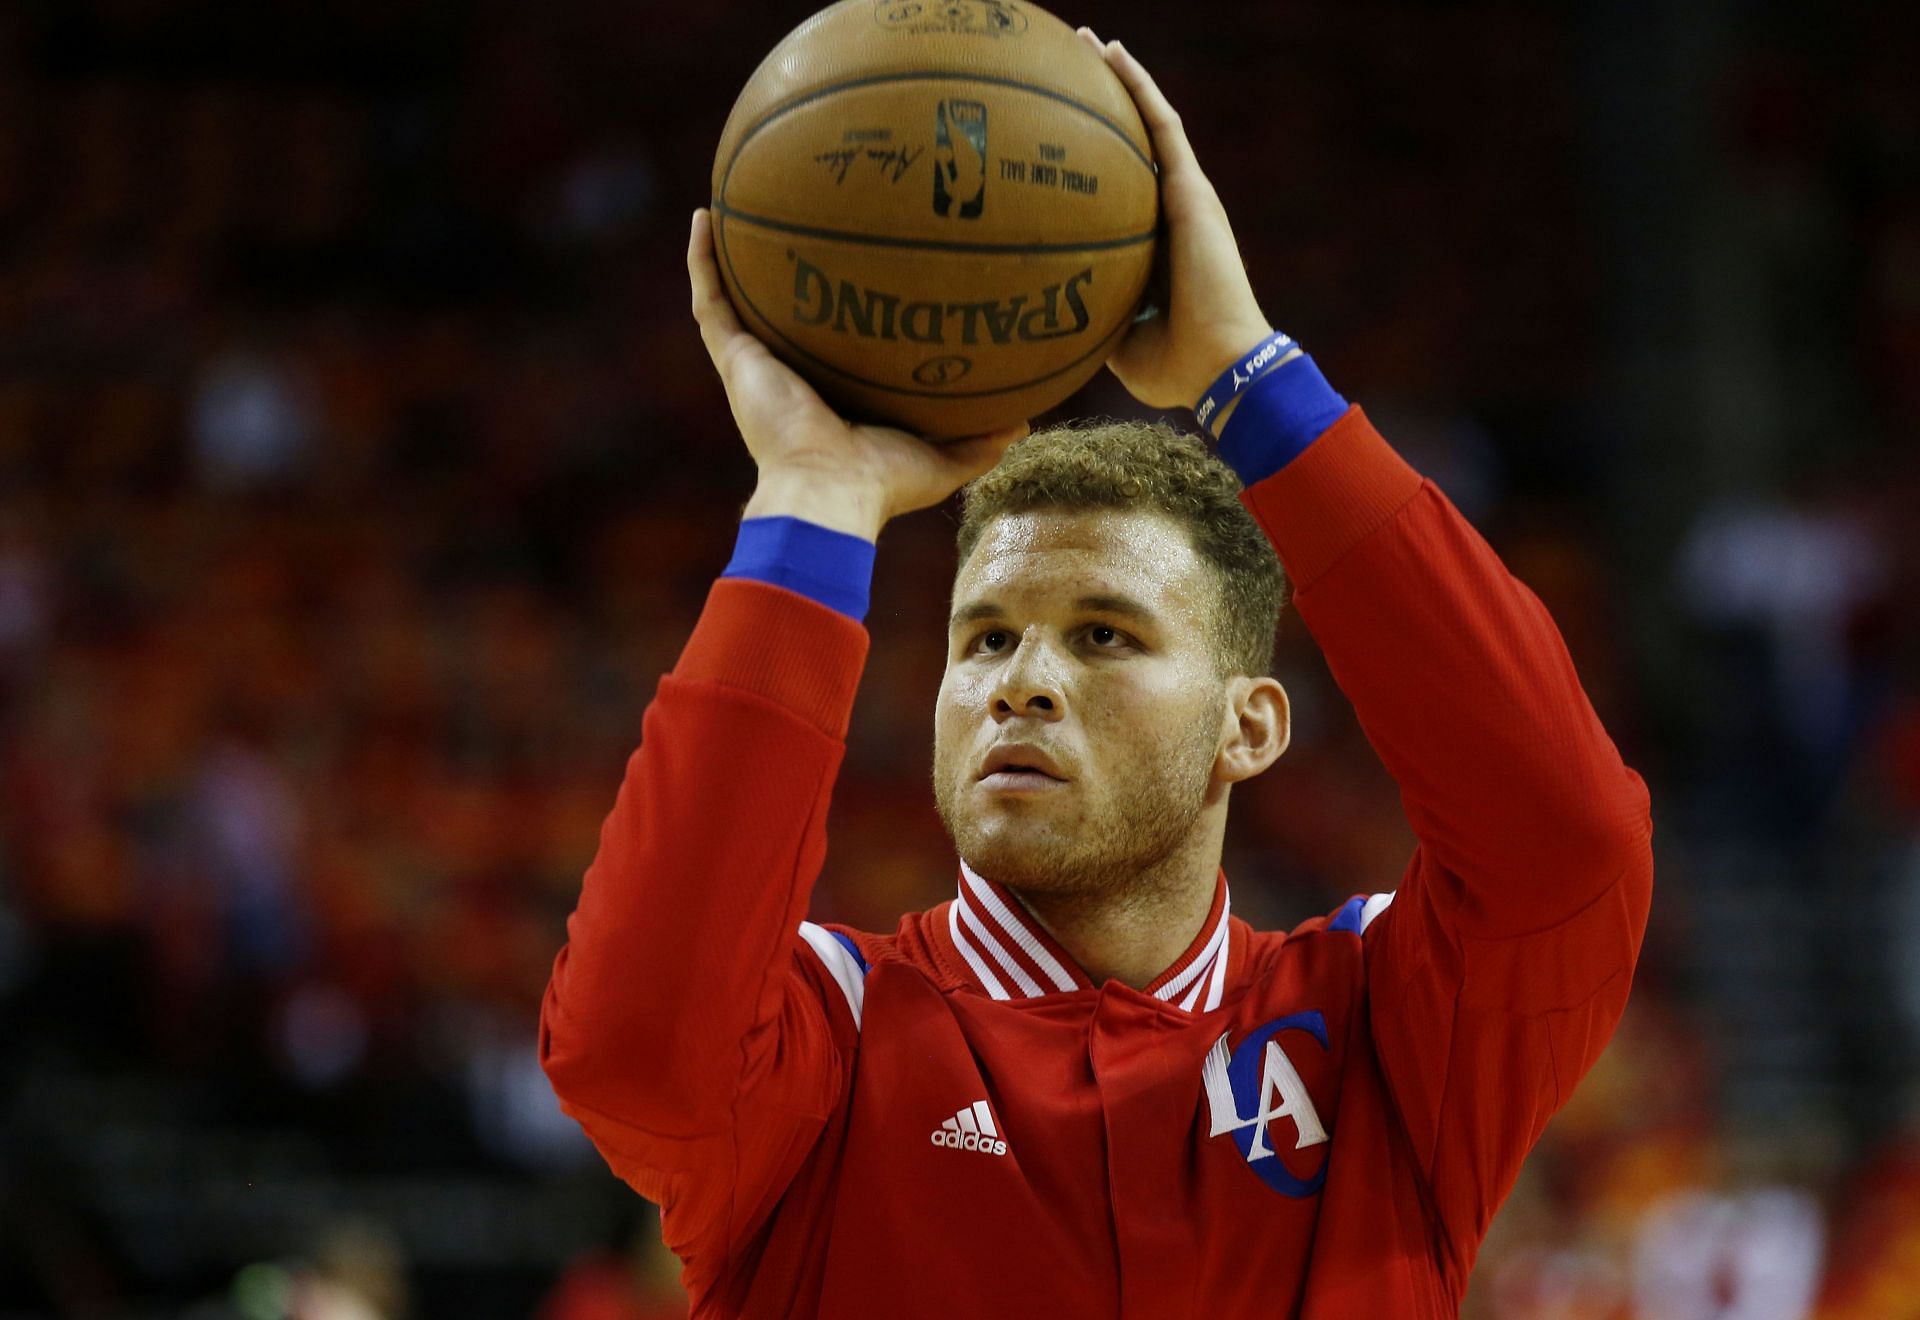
<point>1134,931</point>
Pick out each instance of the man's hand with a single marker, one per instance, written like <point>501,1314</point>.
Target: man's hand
<point>1212,316</point>
<point>813,463</point>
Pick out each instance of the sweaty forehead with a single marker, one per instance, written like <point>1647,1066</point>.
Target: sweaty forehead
<point>1048,552</point>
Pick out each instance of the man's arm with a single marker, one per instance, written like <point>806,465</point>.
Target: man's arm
<point>699,1033</point>
<point>686,1027</point>
<point>1497,972</point>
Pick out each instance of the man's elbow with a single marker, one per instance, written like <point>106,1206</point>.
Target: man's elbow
<point>1557,861</point>
<point>1614,842</point>
<point>1626,839</point>
<point>578,1060</point>
<point>1604,838</point>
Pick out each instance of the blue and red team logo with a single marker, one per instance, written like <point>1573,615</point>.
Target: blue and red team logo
<point>1255,1093</point>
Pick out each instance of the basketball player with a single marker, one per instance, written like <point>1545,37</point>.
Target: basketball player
<point>1081,1087</point>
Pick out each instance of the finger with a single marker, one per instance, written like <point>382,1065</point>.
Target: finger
<point>978,454</point>
<point>1159,290</point>
<point>1086,34</point>
<point>719,325</point>
<point>1163,121</point>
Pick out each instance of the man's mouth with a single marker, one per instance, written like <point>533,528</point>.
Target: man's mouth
<point>1017,767</point>
<point>1019,779</point>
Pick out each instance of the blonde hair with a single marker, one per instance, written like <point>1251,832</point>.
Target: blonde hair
<point>1147,467</point>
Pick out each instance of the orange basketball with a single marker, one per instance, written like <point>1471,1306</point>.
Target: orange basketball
<point>942,214</point>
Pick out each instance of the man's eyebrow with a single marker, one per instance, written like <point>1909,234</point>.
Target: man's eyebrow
<point>980,609</point>
<point>1126,606</point>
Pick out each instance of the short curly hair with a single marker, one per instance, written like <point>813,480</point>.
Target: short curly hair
<point>1149,467</point>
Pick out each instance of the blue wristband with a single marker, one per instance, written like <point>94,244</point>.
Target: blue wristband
<point>821,564</point>
<point>1276,421</point>
<point>1265,356</point>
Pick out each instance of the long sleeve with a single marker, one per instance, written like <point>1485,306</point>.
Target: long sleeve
<point>1498,972</point>
<point>700,1039</point>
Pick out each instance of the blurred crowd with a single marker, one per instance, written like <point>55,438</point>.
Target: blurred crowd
<point>360,471</point>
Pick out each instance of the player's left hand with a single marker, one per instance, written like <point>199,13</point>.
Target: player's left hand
<point>1210,316</point>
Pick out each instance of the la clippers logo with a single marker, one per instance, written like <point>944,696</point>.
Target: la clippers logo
<point>1253,1088</point>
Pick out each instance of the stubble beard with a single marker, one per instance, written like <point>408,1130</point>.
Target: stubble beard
<point>1113,847</point>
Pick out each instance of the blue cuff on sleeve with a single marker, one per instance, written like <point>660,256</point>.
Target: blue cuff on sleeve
<point>1277,418</point>
<point>821,564</point>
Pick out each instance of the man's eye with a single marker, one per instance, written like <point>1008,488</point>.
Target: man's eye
<point>1103,634</point>
<point>992,641</point>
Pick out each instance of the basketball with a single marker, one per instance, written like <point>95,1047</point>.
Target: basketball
<point>941,214</point>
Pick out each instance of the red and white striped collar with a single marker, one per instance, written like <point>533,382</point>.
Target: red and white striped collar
<point>1011,957</point>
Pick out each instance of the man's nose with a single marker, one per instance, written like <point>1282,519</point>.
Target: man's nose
<point>1031,683</point>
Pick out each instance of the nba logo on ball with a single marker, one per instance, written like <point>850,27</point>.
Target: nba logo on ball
<point>942,215</point>
<point>960,158</point>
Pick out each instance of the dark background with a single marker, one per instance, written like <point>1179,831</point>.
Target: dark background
<point>360,469</point>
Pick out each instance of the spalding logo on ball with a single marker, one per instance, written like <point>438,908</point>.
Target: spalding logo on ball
<point>942,215</point>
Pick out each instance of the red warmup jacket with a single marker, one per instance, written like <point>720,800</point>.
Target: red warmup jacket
<point>952,1120</point>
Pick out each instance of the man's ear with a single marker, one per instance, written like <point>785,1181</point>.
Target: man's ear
<point>1258,727</point>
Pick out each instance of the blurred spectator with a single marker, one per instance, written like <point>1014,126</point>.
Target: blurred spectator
<point>1781,587</point>
<point>638,1280</point>
<point>1876,1265</point>
<point>350,1271</point>
<point>26,596</point>
<point>252,421</point>
<point>1751,1256</point>
<point>355,1273</point>
<point>245,821</point>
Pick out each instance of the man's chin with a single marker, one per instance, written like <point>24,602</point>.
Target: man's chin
<point>1021,855</point>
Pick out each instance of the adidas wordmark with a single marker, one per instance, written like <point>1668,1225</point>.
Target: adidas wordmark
<point>971,1129</point>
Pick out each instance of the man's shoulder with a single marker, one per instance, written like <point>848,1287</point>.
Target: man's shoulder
<point>1339,934</point>
<point>911,943</point>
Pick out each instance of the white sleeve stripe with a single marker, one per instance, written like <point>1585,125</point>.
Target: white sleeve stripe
<point>845,971</point>
<point>1372,908</point>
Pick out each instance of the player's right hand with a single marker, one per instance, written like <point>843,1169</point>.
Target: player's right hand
<point>813,463</point>
<point>1211,316</point>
